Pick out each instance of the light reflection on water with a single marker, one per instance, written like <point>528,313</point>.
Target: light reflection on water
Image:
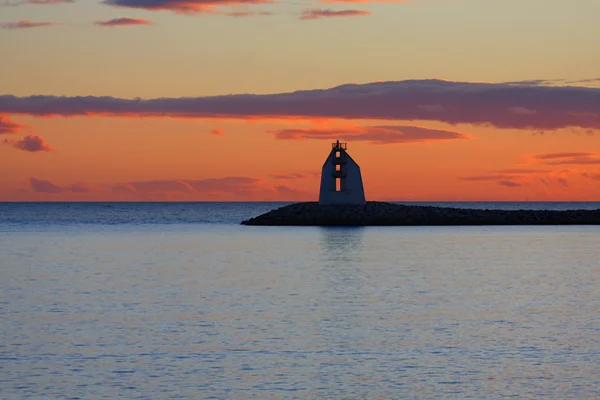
<point>221,311</point>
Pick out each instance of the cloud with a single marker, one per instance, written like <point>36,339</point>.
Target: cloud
<point>42,2</point>
<point>552,156</point>
<point>483,178</point>
<point>520,177</point>
<point>522,171</point>
<point>373,134</point>
<point>297,175</point>
<point>8,127</point>
<point>569,158</point>
<point>592,80</point>
<point>24,24</point>
<point>287,193</point>
<point>181,6</point>
<point>433,100</point>
<point>233,188</point>
<point>536,82</point>
<point>217,132</point>
<point>592,175</point>
<point>124,22</point>
<point>576,161</point>
<point>241,14</point>
<point>45,186</point>
<point>509,184</point>
<point>511,178</point>
<point>29,143</point>
<point>521,111</point>
<point>318,13</point>
<point>190,186</point>
<point>563,182</point>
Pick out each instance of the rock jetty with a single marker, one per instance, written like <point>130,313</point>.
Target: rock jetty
<point>382,214</point>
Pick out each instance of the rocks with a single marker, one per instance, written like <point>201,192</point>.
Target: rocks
<point>379,213</point>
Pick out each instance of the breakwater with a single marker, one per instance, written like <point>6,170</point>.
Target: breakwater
<point>381,214</point>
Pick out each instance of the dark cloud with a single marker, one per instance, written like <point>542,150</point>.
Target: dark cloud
<point>124,22</point>
<point>318,13</point>
<point>45,186</point>
<point>181,6</point>
<point>29,143</point>
<point>217,131</point>
<point>434,100</point>
<point>24,24</point>
<point>8,127</point>
<point>373,134</point>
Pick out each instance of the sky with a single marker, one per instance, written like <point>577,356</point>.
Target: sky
<point>240,100</point>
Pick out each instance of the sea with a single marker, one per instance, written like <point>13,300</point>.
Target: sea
<point>179,301</point>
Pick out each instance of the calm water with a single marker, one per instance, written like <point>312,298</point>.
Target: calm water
<point>178,301</point>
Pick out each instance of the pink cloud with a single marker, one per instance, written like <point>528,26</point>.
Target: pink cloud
<point>433,100</point>
<point>29,143</point>
<point>181,6</point>
<point>373,134</point>
<point>124,22</point>
<point>318,13</point>
<point>217,132</point>
<point>24,24</point>
<point>9,127</point>
<point>45,186</point>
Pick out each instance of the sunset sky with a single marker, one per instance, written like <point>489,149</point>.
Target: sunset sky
<point>239,100</point>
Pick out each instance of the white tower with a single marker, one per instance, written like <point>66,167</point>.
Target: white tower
<point>341,182</point>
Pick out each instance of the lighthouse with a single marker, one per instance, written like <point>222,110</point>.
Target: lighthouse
<point>341,182</point>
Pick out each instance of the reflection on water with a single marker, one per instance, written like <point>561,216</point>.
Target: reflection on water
<point>216,311</point>
<point>342,298</point>
<point>341,245</point>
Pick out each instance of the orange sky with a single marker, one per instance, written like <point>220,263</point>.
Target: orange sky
<point>448,140</point>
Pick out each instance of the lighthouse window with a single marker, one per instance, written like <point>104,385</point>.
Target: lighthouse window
<point>338,167</point>
<point>338,184</point>
<point>338,154</point>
